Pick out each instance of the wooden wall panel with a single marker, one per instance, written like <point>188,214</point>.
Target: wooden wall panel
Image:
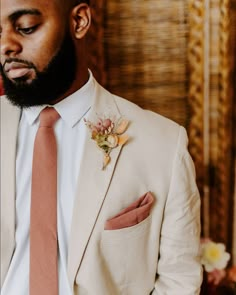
<point>95,38</point>
<point>146,54</point>
<point>211,57</point>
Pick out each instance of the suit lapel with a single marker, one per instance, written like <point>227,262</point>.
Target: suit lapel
<point>93,184</point>
<point>10,116</point>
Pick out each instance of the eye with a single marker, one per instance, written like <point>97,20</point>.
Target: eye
<point>26,31</point>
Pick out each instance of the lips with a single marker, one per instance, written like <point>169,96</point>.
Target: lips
<point>17,70</point>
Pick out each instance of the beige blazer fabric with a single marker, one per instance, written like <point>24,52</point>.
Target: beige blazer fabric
<point>158,254</point>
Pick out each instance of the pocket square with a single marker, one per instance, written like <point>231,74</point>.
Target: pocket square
<point>133,214</point>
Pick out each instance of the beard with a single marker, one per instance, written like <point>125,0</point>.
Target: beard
<point>48,85</point>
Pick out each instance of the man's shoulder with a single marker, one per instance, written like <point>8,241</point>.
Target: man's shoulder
<point>145,119</point>
<point>146,124</point>
<point>154,136</point>
<point>133,112</point>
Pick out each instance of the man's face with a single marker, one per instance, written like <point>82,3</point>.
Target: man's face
<point>37,52</point>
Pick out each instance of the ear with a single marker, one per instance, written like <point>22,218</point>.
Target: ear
<point>81,20</point>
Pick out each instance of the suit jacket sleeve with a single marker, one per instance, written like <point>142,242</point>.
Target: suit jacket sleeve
<point>179,270</point>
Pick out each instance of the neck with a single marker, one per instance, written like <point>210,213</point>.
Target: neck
<point>80,80</point>
<point>81,75</point>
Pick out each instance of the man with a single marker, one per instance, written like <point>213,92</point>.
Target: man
<point>126,199</point>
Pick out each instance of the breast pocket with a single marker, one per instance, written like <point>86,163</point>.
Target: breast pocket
<point>127,253</point>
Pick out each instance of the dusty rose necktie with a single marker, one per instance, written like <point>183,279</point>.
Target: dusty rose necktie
<point>43,220</point>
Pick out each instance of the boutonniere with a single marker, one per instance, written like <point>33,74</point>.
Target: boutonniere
<point>108,135</point>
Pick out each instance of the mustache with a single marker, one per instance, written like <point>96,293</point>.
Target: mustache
<point>22,61</point>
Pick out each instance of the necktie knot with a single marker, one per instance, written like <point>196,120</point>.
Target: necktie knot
<point>48,117</point>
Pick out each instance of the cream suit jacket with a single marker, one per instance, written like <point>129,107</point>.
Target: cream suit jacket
<point>160,255</point>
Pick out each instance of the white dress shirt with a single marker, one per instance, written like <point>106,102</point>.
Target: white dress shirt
<point>70,132</point>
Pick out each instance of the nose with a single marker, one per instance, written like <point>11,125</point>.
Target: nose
<point>10,45</point>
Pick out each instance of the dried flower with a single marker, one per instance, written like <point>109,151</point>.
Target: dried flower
<point>108,135</point>
<point>112,140</point>
<point>122,126</point>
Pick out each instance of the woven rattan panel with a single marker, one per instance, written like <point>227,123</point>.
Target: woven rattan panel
<point>146,54</point>
<point>220,136</point>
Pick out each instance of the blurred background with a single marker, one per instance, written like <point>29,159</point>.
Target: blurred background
<point>178,58</point>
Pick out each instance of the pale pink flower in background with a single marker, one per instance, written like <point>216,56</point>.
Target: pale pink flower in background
<point>216,276</point>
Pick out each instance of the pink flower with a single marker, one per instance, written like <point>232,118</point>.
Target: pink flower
<point>216,276</point>
<point>107,123</point>
<point>103,126</point>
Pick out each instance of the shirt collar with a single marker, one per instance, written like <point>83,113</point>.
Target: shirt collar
<point>71,109</point>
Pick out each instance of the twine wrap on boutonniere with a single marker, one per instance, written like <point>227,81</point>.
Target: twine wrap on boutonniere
<point>108,135</point>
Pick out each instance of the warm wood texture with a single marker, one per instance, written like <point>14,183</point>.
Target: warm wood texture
<point>233,42</point>
<point>222,190</point>
<point>95,41</point>
<point>234,199</point>
<point>146,54</point>
<point>211,57</point>
<point>196,94</point>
